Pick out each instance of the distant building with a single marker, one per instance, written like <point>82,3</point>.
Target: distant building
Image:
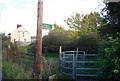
<point>33,38</point>
<point>20,35</point>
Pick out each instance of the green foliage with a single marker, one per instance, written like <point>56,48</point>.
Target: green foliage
<point>54,39</point>
<point>112,17</point>
<point>73,34</point>
<point>49,67</point>
<point>85,23</point>
<point>6,42</point>
<point>89,42</point>
<point>24,48</point>
<point>32,48</point>
<point>54,56</point>
<point>84,31</point>
<point>12,71</point>
<point>111,54</point>
<point>74,21</point>
<point>15,71</point>
<point>91,22</point>
<point>63,77</point>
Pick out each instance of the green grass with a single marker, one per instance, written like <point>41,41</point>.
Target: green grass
<point>54,56</point>
<point>15,71</point>
<point>24,65</point>
<point>23,48</point>
<point>63,76</point>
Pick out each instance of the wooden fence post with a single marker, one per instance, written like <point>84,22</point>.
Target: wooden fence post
<point>9,53</point>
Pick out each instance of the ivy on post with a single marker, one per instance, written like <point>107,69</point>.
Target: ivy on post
<point>38,57</point>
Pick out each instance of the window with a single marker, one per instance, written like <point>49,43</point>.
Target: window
<point>14,40</point>
<point>23,34</point>
<point>24,40</point>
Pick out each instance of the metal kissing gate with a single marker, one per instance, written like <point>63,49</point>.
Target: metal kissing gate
<point>77,63</point>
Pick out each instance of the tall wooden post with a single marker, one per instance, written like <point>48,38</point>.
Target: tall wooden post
<point>38,61</point>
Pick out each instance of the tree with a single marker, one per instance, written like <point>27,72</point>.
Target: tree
<point>85,30</point>
<point>55,38</point>
<point>89,42</point>
<point>112,17</point>
<point>110,53</point>
<point>74,21</point>
<point>85,23</point>
<point>109,49</point>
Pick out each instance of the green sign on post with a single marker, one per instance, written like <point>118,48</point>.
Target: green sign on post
<point>47,26</point>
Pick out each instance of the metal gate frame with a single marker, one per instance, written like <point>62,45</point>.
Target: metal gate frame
<point>74,61</point>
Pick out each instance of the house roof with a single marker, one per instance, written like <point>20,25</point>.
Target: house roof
<point>18,29</point>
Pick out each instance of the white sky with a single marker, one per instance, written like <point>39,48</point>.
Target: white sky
<point>13,12</point>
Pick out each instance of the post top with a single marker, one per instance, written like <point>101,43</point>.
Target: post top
<point>40,0</point>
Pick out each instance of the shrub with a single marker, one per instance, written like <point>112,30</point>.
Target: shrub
<point>54,39</point>
<point>89,42</point>
<point>111,58</point>
<point>13,71</point>
<point>32,48</point>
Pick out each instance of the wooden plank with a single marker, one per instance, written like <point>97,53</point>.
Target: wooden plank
<point>53,77</point>
<point>88,68</point>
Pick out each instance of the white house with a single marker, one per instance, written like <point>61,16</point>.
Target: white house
<point>20,34</point>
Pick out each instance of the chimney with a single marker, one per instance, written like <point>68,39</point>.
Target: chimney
<point>19,25</point>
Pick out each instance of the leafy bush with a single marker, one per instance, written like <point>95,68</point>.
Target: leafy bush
<point>6,42</point>
<point>12,71</point>
<point>54,39</point>
<point>89,42</point>
<point>15,71</point>
<point>32,48</point>
<point>111,58</point>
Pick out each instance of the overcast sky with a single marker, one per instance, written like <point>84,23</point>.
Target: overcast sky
<point>13,12</point>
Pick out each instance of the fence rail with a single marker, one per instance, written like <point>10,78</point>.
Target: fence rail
<point>26,53</point>
<point>76,62</point>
